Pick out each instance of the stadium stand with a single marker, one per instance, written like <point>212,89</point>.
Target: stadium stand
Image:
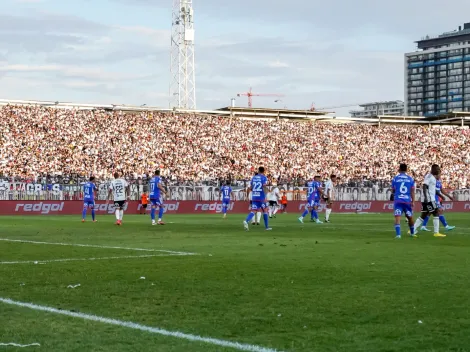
<point>36,140</point>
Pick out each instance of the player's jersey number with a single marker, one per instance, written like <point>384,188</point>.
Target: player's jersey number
<point>403,188</point>
<point>257,187</point>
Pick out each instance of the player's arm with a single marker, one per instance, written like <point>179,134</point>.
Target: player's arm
<point>413,195</point>
<point>443,194</point>
<point>162,189</point>
<point>232,195</point>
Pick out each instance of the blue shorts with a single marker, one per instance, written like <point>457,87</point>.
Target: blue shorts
<point>258,205</point>
<point>402,209</point>
<point>226,203</point>
<point>310,204</point>
<point>88,203</point>
<point>157,202</point>
<point>317,202</point>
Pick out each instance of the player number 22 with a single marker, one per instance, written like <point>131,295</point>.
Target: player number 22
<point>257,187</point>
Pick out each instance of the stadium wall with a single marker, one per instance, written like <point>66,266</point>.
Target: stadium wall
<point>198,207</point>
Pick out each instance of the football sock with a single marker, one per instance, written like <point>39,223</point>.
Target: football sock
<point>435,222</point>
<point>152,214</point>
<point>121,214</point>
<point>258,217</point>
<point>398,230</point>
<point>84,213</point>
<point>425,221</point>
<point>117,213</point>
<point>93,213</point>
<point>250,216</point>
<point>265,217</point>
<point>443,220</point>
<point>160,214</point>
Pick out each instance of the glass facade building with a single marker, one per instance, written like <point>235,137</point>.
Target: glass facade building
<point>437,76</point>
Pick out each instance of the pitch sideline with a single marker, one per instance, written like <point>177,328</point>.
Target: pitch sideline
<point>154,330</point>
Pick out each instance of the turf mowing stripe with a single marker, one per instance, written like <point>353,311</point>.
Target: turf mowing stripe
<point>97,246</point>
<point>153,330</point>
<point>87,259</point>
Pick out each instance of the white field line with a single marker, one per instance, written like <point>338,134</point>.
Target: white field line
<point>18,345</point>
<point>97,246</point>
<point>127,324</point>
<point>89,259</point>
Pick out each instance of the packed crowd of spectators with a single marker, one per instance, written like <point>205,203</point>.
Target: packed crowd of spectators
<point>37,140</point>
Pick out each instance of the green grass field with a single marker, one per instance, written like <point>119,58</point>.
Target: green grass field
<point>344,286</point>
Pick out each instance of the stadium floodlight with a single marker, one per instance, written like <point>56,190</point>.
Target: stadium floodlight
<point>182,71</point>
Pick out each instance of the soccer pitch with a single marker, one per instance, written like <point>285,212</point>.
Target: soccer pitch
<point>201,284</point>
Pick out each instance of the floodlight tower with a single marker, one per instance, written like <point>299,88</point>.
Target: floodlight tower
<point>183,83</point>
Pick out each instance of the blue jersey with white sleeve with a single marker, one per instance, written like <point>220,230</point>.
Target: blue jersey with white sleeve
<point>89,192</point>
<point>403,186</point>
<point>257,188</point>
<point>226,192</point>
<point>154,189</point>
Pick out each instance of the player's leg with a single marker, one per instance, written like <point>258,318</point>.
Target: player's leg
<point>117,212</point>
<point>435,219</point>
<point>443,219</point>
<point>250,216</point>
<point>317,220</point>
<point>265,217</point>
<point>304,214</point>
<point>121,211</point>
<point>84,211</point>
<point>397,214</point>
<point>270,209</point>
<point>329,209</point>
<point>425,223</point>
<point>408,210</point>
<point>161,210</point>
<point>93,215</point>
<point>420,219</point>
<point>224,209</point>
<point>153,210</point>
<point>258,217</point>
<point>284,208</point>
<point>276,208</point>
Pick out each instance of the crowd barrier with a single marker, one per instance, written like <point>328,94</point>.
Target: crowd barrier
<point>195,207</point>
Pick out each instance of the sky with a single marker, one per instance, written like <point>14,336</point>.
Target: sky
<point>327,53</point>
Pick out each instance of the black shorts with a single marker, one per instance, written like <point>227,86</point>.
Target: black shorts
<point>272,203</point>
<point>119,203</point>
<point>144,206</point>
<point>429,207</point>
<point>326,199</point>
<point>251,202</point>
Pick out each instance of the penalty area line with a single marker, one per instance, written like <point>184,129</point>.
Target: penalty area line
<point>97,246</point>
<point>154,330</point>
<point>90,259</point>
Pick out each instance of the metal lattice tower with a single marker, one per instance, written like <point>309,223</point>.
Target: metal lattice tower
<point>183,83</point>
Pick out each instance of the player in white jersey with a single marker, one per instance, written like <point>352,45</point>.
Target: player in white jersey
<point>428,200</point>
<point>119,190</point>
<point>328,196</point>
<point>273,198</point>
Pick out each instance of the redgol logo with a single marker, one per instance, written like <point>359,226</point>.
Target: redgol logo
<point>303,206</point>
<point>108,208</point>
<point>217,207</point>
<point>388,206</point>
<point>447,206</point>
<point>40,207</point>
<point>166,207</point>
<point>355,206</point>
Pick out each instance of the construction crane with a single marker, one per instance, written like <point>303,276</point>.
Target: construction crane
<point>313,108</point>
<point>250,96</point>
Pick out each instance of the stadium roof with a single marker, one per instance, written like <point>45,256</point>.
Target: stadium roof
<point>273,113</point>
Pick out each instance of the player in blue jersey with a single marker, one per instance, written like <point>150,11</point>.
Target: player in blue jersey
<point>403,196</point>
<point>259,190</point>
<point>440,193</point>
<point>156,199</point>
<point>89,195</point>
<point>227,195</point>
<point>310,206</point>
<point>316,200</point>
